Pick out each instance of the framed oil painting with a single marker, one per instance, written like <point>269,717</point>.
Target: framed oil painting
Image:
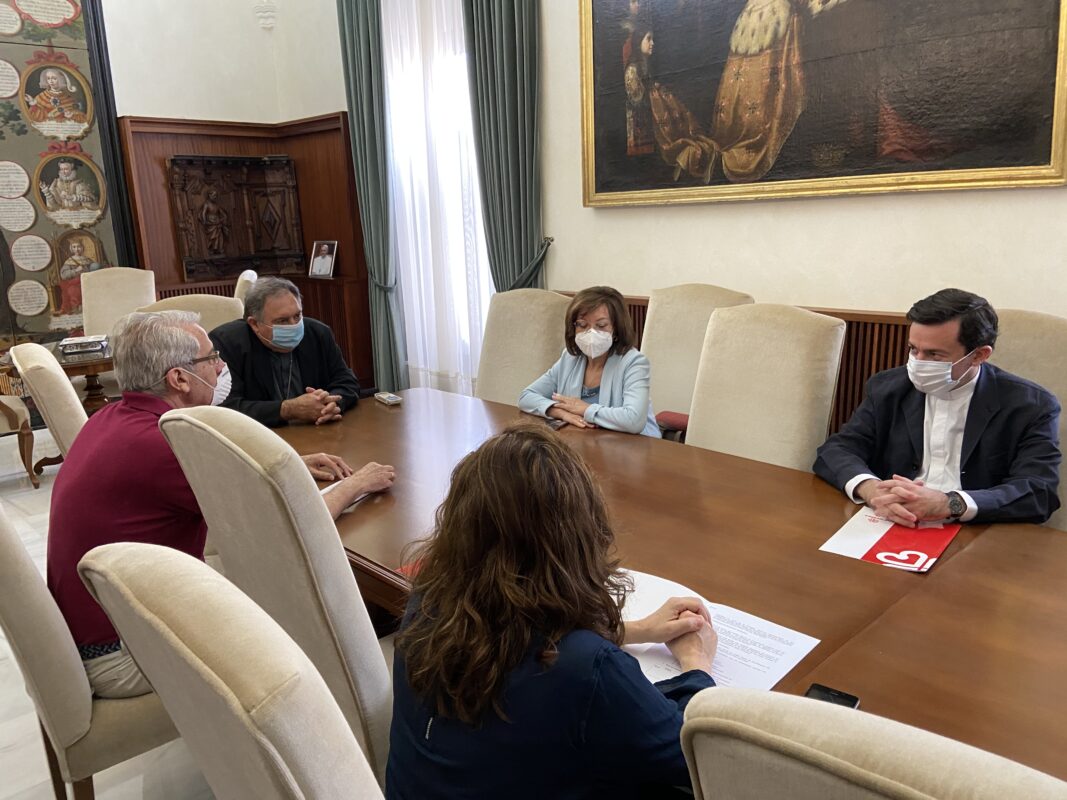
<point>703,100</point>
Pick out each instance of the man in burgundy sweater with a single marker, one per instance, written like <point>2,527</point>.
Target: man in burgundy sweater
<point>121,482</point>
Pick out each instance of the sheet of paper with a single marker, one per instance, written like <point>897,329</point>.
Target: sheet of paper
<point>327,489</point>
<point>753,653</point>
<point>870,538</point>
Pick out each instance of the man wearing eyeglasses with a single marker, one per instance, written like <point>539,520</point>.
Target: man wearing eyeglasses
<point>121,482</point>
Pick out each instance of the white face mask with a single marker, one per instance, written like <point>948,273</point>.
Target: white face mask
<point>221,390</point>
<point>933,377</point>
<point>594,343</point>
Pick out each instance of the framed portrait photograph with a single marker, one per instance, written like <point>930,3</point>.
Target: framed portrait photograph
<point>322,258</point>
<point>705,100</point>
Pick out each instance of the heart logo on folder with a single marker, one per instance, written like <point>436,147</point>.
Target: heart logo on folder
<point>911,549</point>
<point>909,559</point>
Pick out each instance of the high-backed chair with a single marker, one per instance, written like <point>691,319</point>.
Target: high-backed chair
<point>82,734</point>
<point>766,381</point>
<point>742,744</point>
<point>523,338</point>
<point>1034,346</point>
<point>280,546</point>
<point>254,712</point>
<point>52,391</point>
<point>15,418</point>
<point>675,326</point>
<point>213,310</point>
<point>108,294</point>
<point>244,283</point>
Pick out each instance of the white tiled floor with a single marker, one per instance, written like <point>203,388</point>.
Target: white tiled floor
<point>166,773</point>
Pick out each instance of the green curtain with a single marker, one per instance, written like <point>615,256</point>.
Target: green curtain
<point>502,57</point>
<point>361,48</point>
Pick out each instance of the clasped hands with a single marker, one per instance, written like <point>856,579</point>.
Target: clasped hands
<point>904,501</point>
<point>684,625</point>
<point>569,409</point>
<point>315,405</point>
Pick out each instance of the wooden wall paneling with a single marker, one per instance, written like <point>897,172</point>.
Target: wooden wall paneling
<point>329,209</point>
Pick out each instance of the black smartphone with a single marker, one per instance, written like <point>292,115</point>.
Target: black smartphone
<point>835,696</point>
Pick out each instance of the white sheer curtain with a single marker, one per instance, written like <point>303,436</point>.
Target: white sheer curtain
<point>437,239</point>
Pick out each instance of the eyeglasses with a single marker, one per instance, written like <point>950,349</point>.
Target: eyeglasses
<point>211,358</point>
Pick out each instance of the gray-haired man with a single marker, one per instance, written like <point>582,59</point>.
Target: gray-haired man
<point>120,482</point>
<point>284,367</point>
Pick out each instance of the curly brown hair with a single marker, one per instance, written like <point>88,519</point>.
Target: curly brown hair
<point>522,554</point>
<point>591,299</point>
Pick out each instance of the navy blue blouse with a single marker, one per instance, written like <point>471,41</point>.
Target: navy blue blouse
<point>589,726</point>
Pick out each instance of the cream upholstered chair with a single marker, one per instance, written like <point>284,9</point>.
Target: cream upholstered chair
<point>108,294</point>
<point>252,708</point>
<point>52,391</point>
<point>280,546</point>
<point>213,310</point>
<point>1034,346</point>
<point>523,338</point>
<point>743,744</point>
<point>244,283</point>
<point>82,734</point>
<point>675,325</point>
<point>15,418</point>
<point>765,385</point>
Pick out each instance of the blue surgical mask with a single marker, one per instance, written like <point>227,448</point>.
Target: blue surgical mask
<point>287,336</point>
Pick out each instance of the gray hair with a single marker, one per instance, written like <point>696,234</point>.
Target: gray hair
<point>263,290</point>
<point>145,344</point>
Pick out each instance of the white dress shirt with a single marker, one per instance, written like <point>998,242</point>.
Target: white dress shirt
<point>944,420</point>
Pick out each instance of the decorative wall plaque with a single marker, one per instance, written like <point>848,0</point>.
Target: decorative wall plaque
<point>233,214</point>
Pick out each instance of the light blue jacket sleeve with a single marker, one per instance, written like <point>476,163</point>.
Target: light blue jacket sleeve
<point>629,412</point>
<point>537,397</point>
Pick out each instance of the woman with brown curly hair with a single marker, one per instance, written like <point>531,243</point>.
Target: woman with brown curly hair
<point>601,380</point>
<point>508,679</point>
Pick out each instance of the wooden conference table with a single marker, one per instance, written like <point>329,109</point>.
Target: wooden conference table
<point>975,650</point>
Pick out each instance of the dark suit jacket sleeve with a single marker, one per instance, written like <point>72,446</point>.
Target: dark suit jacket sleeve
<point>1028,493</point>
<point>847,453</point>
<point>235,352</point>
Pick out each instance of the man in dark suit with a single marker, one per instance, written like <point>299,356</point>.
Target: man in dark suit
<point>949,436</point>
<point>283,367</point>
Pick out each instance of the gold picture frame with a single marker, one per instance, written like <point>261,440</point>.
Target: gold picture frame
<point>69,104</point>
<point>86,210</point>
<point>664,156</point>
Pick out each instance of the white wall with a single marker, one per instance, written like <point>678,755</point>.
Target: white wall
<point>308,59</point>
<point>211,59</point>
<point>878,253</point>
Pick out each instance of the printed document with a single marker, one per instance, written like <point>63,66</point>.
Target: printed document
<point>753,653</point>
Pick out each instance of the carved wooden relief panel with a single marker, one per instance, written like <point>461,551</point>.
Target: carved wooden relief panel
<point>236,213</point>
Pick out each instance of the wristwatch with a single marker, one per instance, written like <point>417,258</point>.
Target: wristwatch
<point>956,506</point>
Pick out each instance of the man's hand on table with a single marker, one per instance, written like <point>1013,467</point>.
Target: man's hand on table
<point>315,405</point>
<point>904,501</point>
<point>324,467</point>
<point>372,477</point>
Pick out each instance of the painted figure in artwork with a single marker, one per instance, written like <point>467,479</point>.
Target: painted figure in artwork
<point>216,223</point>
<point>70,286</point>
<point>67,191</point>
<point>679,138</point>
<point>57,102</point>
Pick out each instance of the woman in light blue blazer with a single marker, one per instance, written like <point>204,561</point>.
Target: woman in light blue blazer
<point>601,380</point>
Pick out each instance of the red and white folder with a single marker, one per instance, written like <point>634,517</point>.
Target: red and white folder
<point>868,537</point>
